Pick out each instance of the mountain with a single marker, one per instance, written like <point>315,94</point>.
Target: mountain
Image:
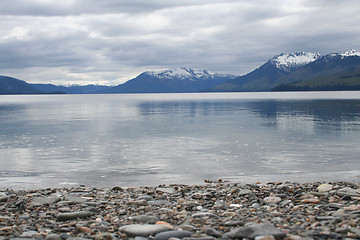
<point>9,85</point>
<point>73,89</point>
<point>269,74</point>
<point>335,71</point>
<point>174,80</point>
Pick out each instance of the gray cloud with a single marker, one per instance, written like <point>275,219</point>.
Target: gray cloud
<point>83,41</point>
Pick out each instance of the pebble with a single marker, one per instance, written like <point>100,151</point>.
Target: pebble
<point>325,187</point>
<point>73,215</point>
<point>255,230</point>
<point>212,232</point>
<point>35,202</point>
<point>272,200</point>
<point>215,210</point>
<point>172,234</point>
<point>144,230</point>
<point>146,219</point>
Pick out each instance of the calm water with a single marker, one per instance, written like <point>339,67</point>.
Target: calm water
<point>149,139</point>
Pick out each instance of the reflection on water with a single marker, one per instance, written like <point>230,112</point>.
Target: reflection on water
<point>107,140</point>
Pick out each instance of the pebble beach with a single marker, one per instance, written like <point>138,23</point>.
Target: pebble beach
<point>214,210</point>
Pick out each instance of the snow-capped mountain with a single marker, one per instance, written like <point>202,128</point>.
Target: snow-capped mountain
<point>173,80</point>
<point>186,74</point>
<point>292,61</point>
<point>350,53</point>
<point>285,69</point>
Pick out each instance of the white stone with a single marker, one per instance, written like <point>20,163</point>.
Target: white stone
<point>325,187</point>
<point>272,200</point>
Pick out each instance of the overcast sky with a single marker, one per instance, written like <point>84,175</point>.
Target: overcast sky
<point>111,41</point>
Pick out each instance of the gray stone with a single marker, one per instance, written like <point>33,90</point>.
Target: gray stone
<point>212,232</point>
<point>244,192</point>
<point>141,238</point>
<point>272,200</point>
<point>328,218</point>
<point>142,202</point>
<point>36,202</point>
<point>172,234</point>
<point>187,228</point>
<point>74,215</point>
<point>103,236</point>
<point>255,205</point>
<point>166,190</point>
<point>28,234</point>
<point>145,197</point>
<point>146,219</point>
<point>266,237</point>
<point>74,198</point>
<point>285,203</point>
<point>144,230</point>
<point>3,197</point>
<point>64,236</point>
<point>234,223</point>
<point>198,238</point>
<point>348,191</point>
<point>355,231</point>
<point>159,203</point>
<point>255,230</point>
<point>203,214</point>
<point>53,237</point>
<point>219,204</point>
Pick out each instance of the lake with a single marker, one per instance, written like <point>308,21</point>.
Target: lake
<point>150,139</point>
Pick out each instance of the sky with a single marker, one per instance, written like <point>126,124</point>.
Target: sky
<point>112,41</point>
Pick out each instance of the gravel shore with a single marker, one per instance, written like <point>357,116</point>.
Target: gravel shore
<point>215,210</point>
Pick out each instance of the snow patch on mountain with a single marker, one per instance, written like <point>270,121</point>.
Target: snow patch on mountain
<point>186,73</point>
<point>288,62</point>
<point>350,53</point>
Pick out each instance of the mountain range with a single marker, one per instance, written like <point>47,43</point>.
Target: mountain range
<point>285,71</point>
<point>300,71</point>
<point>174,80</point>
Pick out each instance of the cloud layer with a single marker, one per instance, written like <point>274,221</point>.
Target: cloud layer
<point>91,41</point>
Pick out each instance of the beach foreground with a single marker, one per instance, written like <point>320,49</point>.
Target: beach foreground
<point>215,210</point>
